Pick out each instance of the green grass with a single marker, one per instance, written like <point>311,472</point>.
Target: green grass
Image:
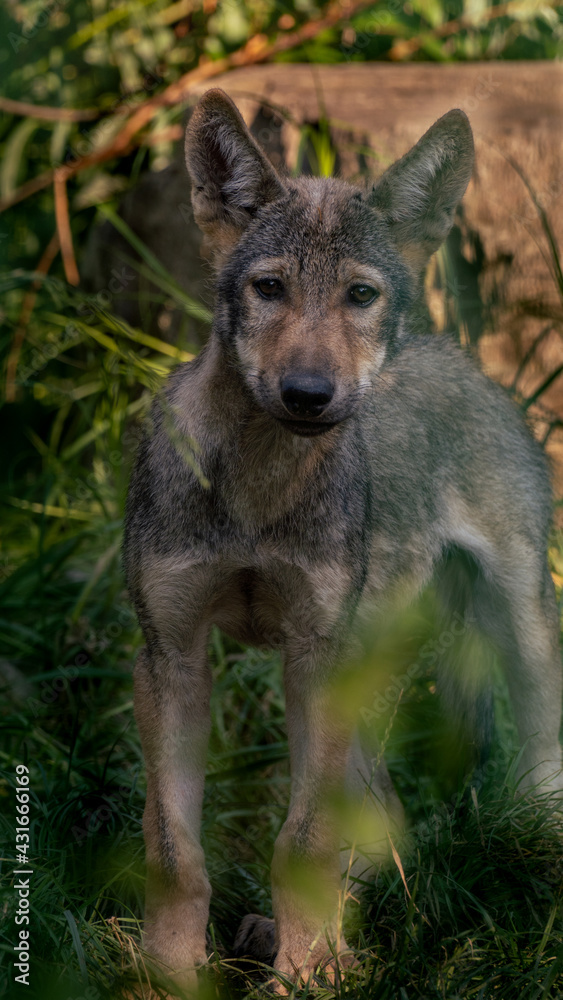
<point>476,908</point>
<point>473,910</point>
<point>476,911</point>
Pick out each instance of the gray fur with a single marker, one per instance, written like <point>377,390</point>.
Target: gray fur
<point>296,533</point>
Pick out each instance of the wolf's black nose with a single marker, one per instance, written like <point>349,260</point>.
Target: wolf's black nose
<point>306,395</point>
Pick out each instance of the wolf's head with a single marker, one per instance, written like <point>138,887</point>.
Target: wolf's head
<point>315,276</point>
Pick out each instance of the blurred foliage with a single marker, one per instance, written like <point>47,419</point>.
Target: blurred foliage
<point>78,369</point>
<point>113,56</point>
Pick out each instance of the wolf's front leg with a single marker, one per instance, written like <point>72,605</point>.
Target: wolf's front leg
<point>172,694</point>
<point>306,868</point>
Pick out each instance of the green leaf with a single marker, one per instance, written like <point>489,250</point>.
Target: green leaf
<point>59,137</point>
<point>105,21</point>
<point>431,10</point>
<point>13,154</point>
<point>192,307</point>
<point>434,48</point>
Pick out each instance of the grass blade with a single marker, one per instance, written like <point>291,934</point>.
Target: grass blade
<point>192,307</point>
<point>77,944</point>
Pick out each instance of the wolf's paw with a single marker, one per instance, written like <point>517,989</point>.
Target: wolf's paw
<point>255,939</point>
<point>320,960</point>
<point>179,983</point>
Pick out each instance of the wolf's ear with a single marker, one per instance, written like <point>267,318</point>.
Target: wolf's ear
<point>419,194</point>
<point>230,174</point>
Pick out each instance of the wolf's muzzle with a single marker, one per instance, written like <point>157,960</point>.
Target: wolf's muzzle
<point>306,395</point>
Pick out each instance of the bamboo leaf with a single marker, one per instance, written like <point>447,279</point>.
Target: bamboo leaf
<point>49,510</point>
<point>91,331</point>
<point>100,428</point>
<point>121,326</point>
<point>101,567</point>
<point>105,21</point>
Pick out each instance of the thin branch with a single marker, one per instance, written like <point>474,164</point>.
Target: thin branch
<point>546,226</point>
<point>94,159</point>
<point>28,303</point>
<point>26,190</point>
<point>47,113</point>
<point>529,355</point>
<point>169,134</point>
<point>258,49</point>
<point>553,426</point>
<point>63,228</point>
<point>545,385</point>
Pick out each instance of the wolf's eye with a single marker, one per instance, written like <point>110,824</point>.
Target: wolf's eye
<point>362,295</point>
<point>269,288</point>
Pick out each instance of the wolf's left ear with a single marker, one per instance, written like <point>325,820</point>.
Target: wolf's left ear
<point>230,174</point>
<point>419,194</point>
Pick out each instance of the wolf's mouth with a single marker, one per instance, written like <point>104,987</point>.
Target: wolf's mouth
<point>307,428</point>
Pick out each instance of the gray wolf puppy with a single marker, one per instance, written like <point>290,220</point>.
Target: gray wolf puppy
<point>347,457</point>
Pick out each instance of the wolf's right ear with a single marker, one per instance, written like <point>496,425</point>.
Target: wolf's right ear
<point>230,174</point>
<point>419,194</point>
